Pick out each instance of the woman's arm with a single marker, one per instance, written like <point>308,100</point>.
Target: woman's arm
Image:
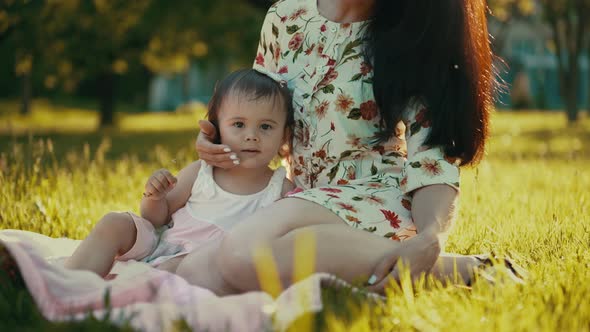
<point>433,208</point>
<point>432,180</point>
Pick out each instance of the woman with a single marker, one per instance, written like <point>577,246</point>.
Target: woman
<point>390,97</point>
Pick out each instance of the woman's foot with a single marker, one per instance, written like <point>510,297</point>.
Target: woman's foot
<point>495,269</point>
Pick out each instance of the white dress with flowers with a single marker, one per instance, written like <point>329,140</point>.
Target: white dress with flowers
<point>337,161</point>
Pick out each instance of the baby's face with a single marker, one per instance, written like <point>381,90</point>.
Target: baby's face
<point>253,129</point>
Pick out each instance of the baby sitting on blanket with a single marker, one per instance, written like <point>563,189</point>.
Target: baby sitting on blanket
<point>179,214</point>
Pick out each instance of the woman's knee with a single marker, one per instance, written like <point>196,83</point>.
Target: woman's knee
<point>235,261</point>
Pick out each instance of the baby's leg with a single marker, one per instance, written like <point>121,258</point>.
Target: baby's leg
<point>113,235</point>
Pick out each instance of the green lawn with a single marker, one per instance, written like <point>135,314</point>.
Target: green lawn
<point>530,198</point>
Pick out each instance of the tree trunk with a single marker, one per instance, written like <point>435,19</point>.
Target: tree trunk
<point>572,91</point>
<point>571,103</point>
<point>186,86</point>
<point>106,96</point>
<point>26,94</point>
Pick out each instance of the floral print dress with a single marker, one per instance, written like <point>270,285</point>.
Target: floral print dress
<point>336,160</point>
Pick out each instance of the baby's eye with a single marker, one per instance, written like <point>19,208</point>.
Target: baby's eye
<point>238,124</point>
<point>265,126</point>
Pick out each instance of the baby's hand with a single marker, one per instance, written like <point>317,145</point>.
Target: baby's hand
<point>159,184</point>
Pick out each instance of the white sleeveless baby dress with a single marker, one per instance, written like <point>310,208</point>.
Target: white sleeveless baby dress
<point>208,214</point>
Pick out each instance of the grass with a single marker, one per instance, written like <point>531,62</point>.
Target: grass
<point>530,198</point>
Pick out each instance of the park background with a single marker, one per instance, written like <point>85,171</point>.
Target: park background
<point>97,94</point>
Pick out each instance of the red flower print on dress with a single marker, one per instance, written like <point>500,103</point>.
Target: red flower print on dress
<point>296,41</point>
<point>353,219</point>
<point>347,207</point>
<point>375,185</point>
<point>403,183</point>
<point>321,109</point>
<point>393,218</point>
<point>332,127</point>
<point>342,182</point>
<point>431,167</point>
<point>351,172</point>
<point>379,148</point>
<point>344,103</point>
<point>283,70</point>
<point>309,49</point>
<point>320,154</point>
<point>323,28</point>
<point>331,62</point>
<point>298,13</point>
<point>369,110</point>
<point>407,204</point>
<point>260,59</point>
<point>331,75</point>
<point>302,135</point>
<point>333,196</point>
<point>277,53</point>
<point>294,191</point>
<point>422,119</point>
<point>452,160</point>
<point>374,200</point>
<point>354,141</point>
<point>394,237</point>
<point>331,190</point>
<point>365,68</point>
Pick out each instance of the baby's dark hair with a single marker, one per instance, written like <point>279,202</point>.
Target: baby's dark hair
<point>254,85</point>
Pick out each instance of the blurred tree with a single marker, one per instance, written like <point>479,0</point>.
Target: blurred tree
<point>205,32</point>
<point>568,20</point>
<point>97,39</point>
<point>261,4</point>
<point>505,12</point>
<point>100,40</point>
<point>19,28</point>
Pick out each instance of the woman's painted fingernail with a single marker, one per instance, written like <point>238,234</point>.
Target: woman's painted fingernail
<point>233,156</point>
<point>226,150</point>
<point>372,279</point>
<point>236,162</point>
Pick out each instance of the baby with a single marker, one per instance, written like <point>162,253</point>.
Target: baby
<point>179,214</point>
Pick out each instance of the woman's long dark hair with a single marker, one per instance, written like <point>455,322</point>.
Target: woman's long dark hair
<point>436,52</point>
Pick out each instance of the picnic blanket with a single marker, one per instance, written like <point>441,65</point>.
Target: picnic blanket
<point>147,298</point>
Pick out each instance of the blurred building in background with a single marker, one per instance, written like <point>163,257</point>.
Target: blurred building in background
<point>530,66</point>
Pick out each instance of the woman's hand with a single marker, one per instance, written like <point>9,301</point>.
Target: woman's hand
<point>418,254</point>
<point>159,184</point>
<point>217,155</point>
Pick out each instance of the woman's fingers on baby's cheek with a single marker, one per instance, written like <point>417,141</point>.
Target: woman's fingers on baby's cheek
<point>207,128</point>
<point>221,159</point>
<point>227,164</point>
<point>204,145</point>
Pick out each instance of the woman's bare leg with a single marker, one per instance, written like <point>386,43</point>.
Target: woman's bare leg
<point>339,249</point>
<point>198,269</point>
<point>454,268</point>
<point>113,235</point>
